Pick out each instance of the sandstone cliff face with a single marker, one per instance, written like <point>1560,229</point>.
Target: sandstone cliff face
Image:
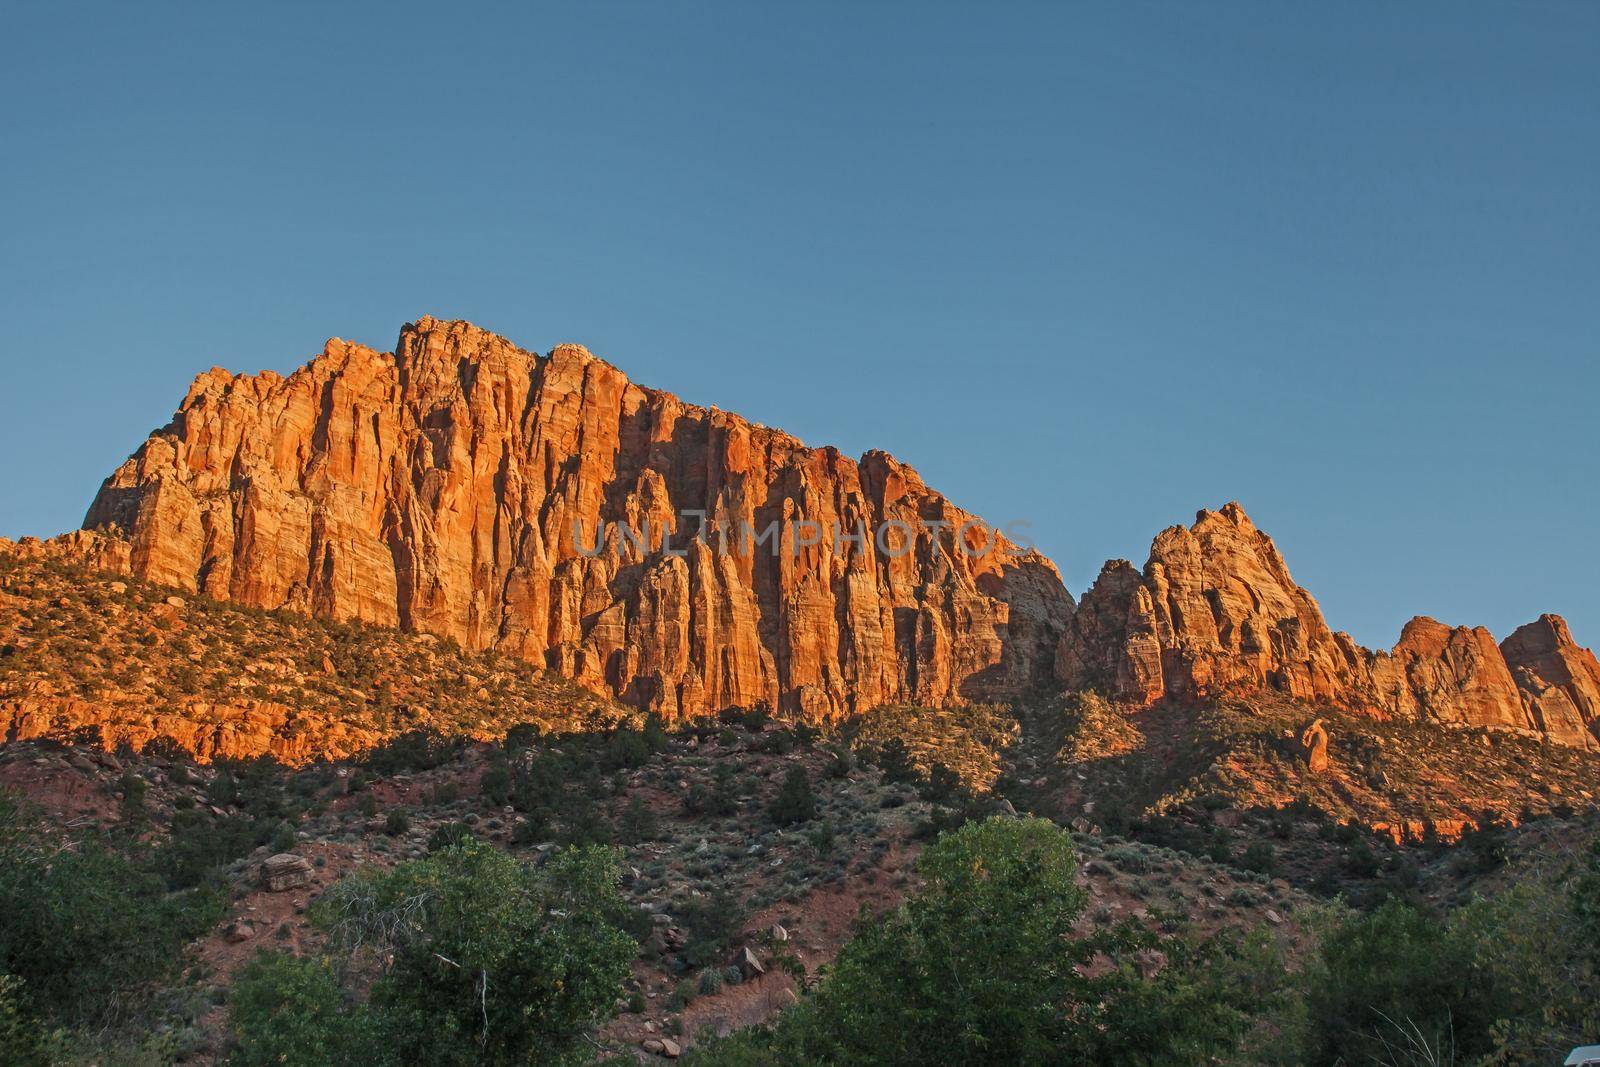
<point>1558,680</point>
<point>1215,611</point>
<point>1449,674</point>
<point>460,486</point>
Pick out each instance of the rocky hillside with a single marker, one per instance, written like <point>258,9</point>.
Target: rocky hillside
<point>1215,612</point>
<point>685,561</point>
<point>460,486</point>
<point>122,663</point>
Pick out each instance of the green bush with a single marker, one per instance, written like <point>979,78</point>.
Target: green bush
<point>682,995</point>
<point>540,783</point>
<point>1260,856</point>
<point>709,924</point>
<point>448,835</point>
<point>981,967</point>
<point>415,750</point>
<point>821,838</point>
<point>494,961</point>
<point>794,802</point>
<point>625,749</point>
<point>283,838</point>
<point>1506,979</point>
<point>24,1042</point>
<point>719,798</point>
<point>90,932</point>
<point>199,843</point>
<point>496,784</point>
<point>290,1011</point>
<point>638,823</point>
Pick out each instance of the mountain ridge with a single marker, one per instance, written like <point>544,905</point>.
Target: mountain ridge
<point>431,489</point>
<point>443,488</point>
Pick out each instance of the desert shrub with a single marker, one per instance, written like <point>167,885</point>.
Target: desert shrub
<point>168,749</point>
<point>710,924</point>
<point>1390,976</point>
<point>256,786</point>
<point>540,783</point>
<point>1487,842</point>
<point>521,736</point>
<point>290,1011</point>
<point>794,802</point>
<point>89,931</point>
<point>419,749</point>
<point>969,970</point>
<point>718,798</point>
<point>448,835</point>
<point>1260,856</point>
<point>821,838</point>
<point>683,994</point>
<point>24,1041</point>
<point>943,785</point>
<point>282,839</point>
<point>1511,978</point>
<point>583,823</point>
<point>894,760</point>
<point>625,749</point>
<point>752,719</point>
<point>638,823</point>
<point>496,784</point>
<point>199,844</point>
<point>442,794</point>
<point>654,732</point>
<point>530,831</point>
<point>494,961</point>
<point>396,823</point>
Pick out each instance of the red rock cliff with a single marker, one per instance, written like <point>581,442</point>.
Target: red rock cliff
<point>438,488</point>
<point>1216,611</point>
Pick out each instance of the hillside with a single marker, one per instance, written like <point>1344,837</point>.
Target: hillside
<point>120,662</point>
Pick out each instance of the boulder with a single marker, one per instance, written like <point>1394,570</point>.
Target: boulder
<point>285,871</point>
<point>748,963</point>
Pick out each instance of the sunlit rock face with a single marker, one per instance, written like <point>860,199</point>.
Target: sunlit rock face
<point>1215,611</point>
<point>468,488</point>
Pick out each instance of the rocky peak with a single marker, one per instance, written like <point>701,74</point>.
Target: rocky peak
<point>467,487</point>
<point>1215,611</point>
<point>1558,679</point>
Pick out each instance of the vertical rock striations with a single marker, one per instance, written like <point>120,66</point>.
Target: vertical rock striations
<point>462,486</point>
<point>1215,611</point>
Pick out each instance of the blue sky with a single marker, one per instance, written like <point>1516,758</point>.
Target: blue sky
<point>1088,266</point>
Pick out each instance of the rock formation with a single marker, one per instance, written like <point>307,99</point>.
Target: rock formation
<point>1559,681</point>
<point>1314,747</point>
<point>467,488</point>
<point>1215,611</point>
<point>1448,674</point>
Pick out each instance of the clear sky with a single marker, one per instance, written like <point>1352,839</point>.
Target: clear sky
<point>1089,266</point>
